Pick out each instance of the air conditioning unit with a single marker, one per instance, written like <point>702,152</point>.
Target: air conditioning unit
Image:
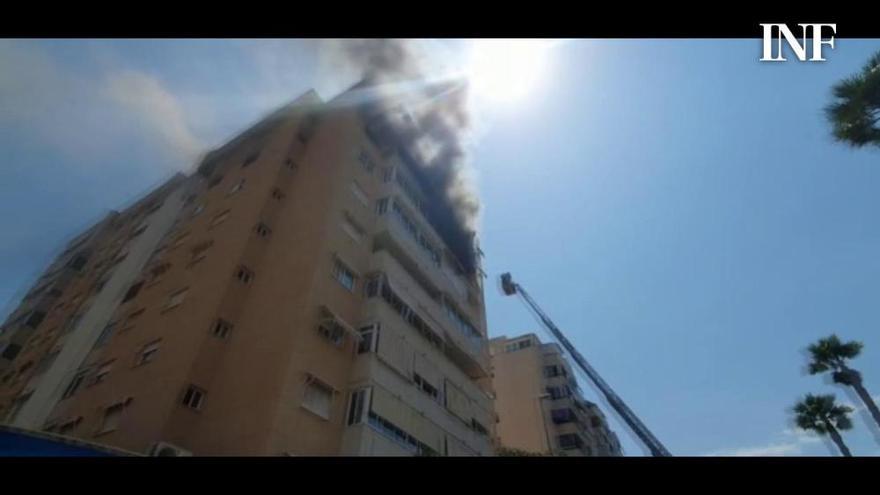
<point>163,449</point>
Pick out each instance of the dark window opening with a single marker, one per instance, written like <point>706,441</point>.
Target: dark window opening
<point>215,180</point>
<point>35,319</point>
<point>132,292</point>
<point>221,329</point>
<point>250,159</point>
<point>262,230</point>
<point>244,275</point>
<point>78,262</point>
<point>194,397</point>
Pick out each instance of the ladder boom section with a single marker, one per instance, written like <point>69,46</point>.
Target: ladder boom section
<point>657,449</point>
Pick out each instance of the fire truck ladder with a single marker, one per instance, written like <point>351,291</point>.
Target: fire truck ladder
<point>657,449</point>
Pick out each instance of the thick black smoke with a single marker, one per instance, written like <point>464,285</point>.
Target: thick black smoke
<point>430,122</point>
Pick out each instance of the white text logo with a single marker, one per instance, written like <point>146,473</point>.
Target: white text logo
<point>799,49</point>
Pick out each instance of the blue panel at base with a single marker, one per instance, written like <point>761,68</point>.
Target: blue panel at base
<point>19,444</point>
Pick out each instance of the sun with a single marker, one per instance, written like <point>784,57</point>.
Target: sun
<point>505,70</point>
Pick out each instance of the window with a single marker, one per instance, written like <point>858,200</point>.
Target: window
<point>522,344</point>
<point>112,414</point>
<point>140,229</point>
<point>221,329</point>
<point>344,275</point>
<point>366,161</point>
<point>135,314</point>
<point>250,159</point>
<point>121,255</point>
<point>11,351</point>
<point>17,404</point>
<point>75,383</point>
<point>359,194</point>
<point>148,352</point>
<point>47,361</point>
<point>553,370</point>
<point>400,436</point>
<point>68,427</point>
<point>180,240</point>
<point>377,285</point>
<point>560,416</point>
<point>277,194</point>
<point>215,180</point>
<point>318,397</point>
<point>244,274</point>
<point>35,318</point>
<point>237,187</point>
<point>352,230</point>
<point>102,373</point>
<point>369,340</point>
<point>570,441</point>
<point>461,321</point>
<point>176,298</point>
<point>198,209</point>
<point>78,262</point>
<point>220,218</point>
<point>105,334</point>
<point>558,392</point>
<point>426,387</point>
<point>290,164</point>
<point>332,331</point>
<point>132,292</point>
<point>199,252</point>
<point>381,206</point>
<point>26,366</point>
<point>194,397</point>
<point>157,271</point>
<point>262,230</point>
<point>358,405</point>
<point>72,323</point>
<point>415,232</point>
<point>478,427</point>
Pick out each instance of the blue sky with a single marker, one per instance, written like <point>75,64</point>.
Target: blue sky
<point>676,206</point>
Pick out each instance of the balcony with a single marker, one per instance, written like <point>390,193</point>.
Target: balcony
<point>405,225</point>
<point>469,352</point>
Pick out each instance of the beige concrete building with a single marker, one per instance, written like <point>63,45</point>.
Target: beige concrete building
<point>304,292</point>
<point>540,406</point>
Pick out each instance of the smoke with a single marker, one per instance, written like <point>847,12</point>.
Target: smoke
<point>158,109</point>
<point>430,118</point>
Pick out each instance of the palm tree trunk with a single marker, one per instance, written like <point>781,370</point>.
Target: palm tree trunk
<point>869,402</point>
<point>832,431</point>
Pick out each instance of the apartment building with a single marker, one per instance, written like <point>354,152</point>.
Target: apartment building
<point>301,293</point>
<point>540,406</point>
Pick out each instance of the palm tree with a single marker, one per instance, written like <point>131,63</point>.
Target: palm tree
<point>820,414</point>
<point>830,354</point>
<point>855,110</point>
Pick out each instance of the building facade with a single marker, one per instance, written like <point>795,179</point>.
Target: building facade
<point>293,296</point>
<point>540,406</point>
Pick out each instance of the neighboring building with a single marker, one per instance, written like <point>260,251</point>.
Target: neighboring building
<point>539,404</point>
<point>303,293</point>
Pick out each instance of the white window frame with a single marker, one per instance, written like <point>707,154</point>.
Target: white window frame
<point>340,270</point>
<point>359,193</point>
<point>373,330</point>
<point>148,352</point>
<point>176,298</point>
<point>313,381</point>
<point>353,229</point>
<point>364,394</point>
